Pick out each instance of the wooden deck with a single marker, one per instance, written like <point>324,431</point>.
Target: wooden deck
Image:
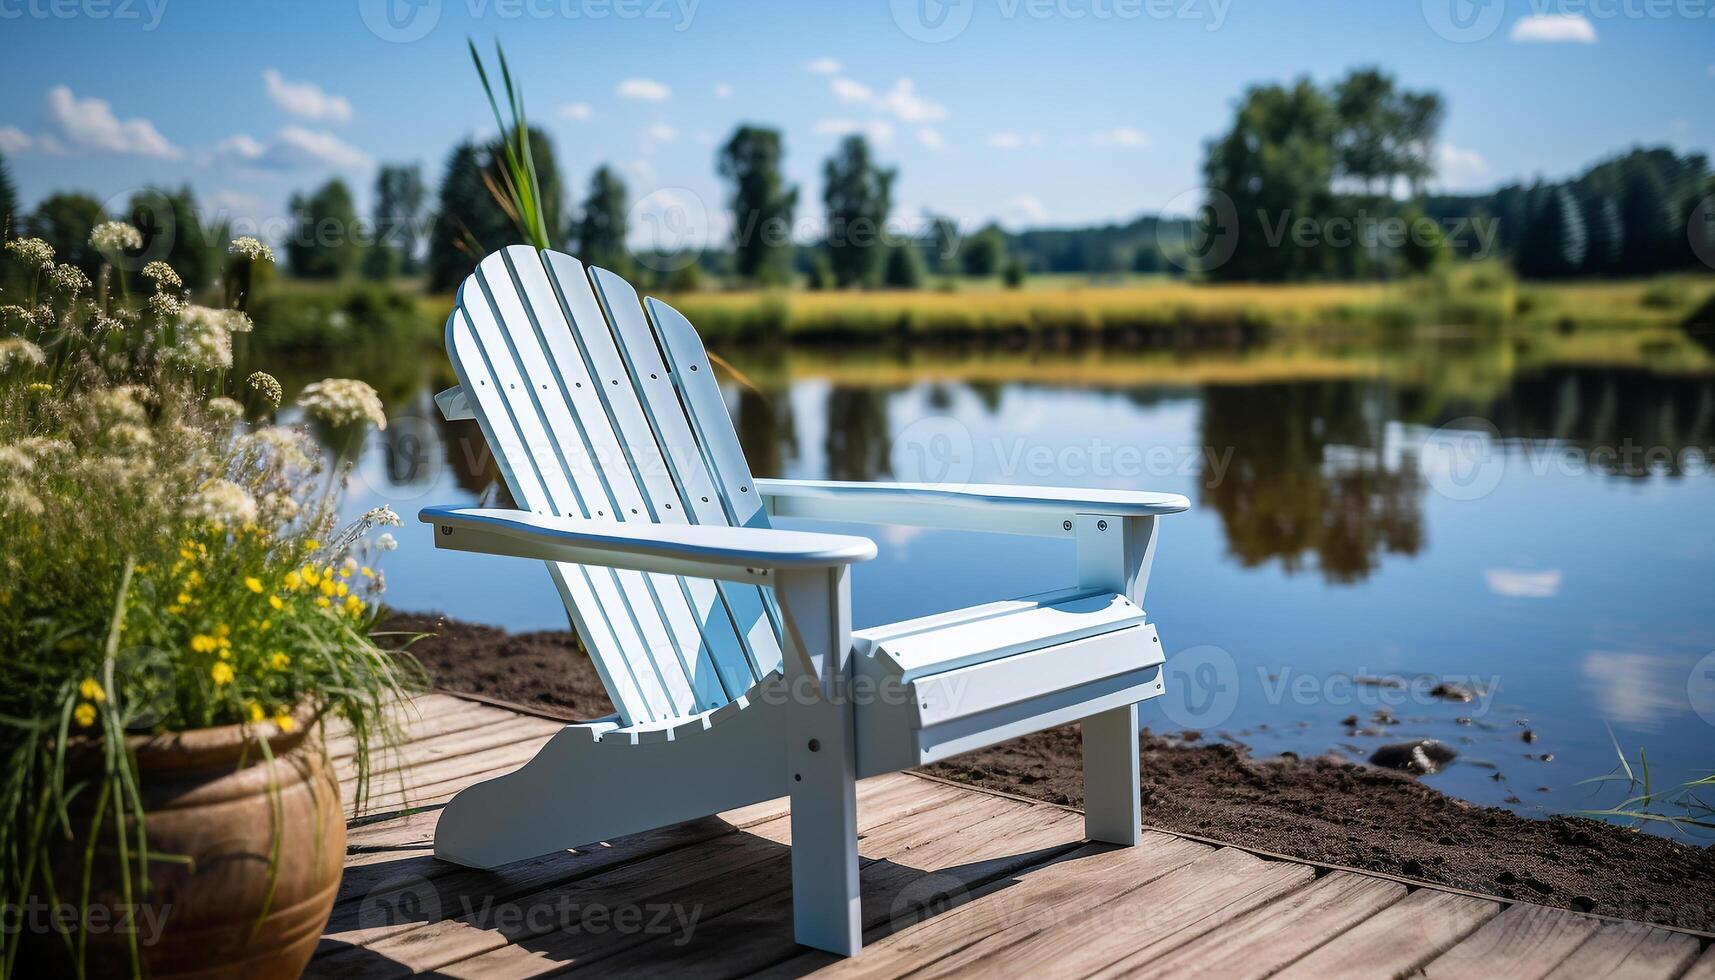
<point>955,881</point>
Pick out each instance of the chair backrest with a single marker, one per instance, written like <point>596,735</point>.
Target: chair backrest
<point>602,409</point>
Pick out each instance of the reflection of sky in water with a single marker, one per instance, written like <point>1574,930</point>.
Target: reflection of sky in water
<point>1331,547</point>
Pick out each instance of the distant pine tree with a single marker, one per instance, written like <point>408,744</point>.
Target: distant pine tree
<point>1607,235</point>
<point>1557,240</point>
<point>8,203</point>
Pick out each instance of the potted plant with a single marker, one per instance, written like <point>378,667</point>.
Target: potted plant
<point>182,613</point>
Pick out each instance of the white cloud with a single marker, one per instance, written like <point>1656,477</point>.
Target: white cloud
<point>1553,29</point>
<point>294,148</point>
<point>576,111</point>
<point>1636,689</point>
<point>903,101</point>
<point>1516,584</point>
<point>228,203</point>
<point>1459,167</point>
<point>823,66</point>
<point>643,90</point>
<point>1025,209</point>
<point>723,90</point>
<point>1121,136</point>
<point>306,100</point>
<point>847,90</point>
<point>661,132</point>
<point>14,140</point>
<point>877,130</point>
<point>89,124</point>
<point>930,137</point>
<point>1014,141</point>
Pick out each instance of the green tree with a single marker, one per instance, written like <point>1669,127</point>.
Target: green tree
<point>399,198</point>
<point>859,196</point>
<point>1013,274</point>
<point>1384,132</point>
<point>9,214</point>
<point>904,269</point>
<point>1557,241</point>
<point>601,223</point>
<point>1646,217</point>
<point>1607,234</point>
<point>821,274</point>
<point>64,220</point>
<point>193,251</point>
<point>470,224</point>
<point>325,236</point>
<point>1273,166</point>
<point>1424,247</point>
<point>762,205</point>
<point>985,251</point>
<point>944,239</point>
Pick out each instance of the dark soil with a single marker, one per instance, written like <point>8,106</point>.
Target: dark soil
<point>1324,809</point>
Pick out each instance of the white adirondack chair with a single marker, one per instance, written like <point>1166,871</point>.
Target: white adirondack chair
<point>726,644</point>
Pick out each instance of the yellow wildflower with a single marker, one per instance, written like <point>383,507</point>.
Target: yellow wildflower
<point>91,691</point>
<point>322,601</point>
<point>223,630</point>
<point>255,711</point>
<point>253,583</point>
<point>222,673</point>
<point>276,602</point>
<point>342,589</point>
<point>368,572</point>
<point>353,604</point>
<point>184,598</point>
<point>311,544</point>
<point>284,721</point>
<point>311,576</point>
<point>279,661</point>
<point>293,580</point>
<point>187,554</point>
<point>203,643</point>
<point>327,586</point>
<point>85,715</point>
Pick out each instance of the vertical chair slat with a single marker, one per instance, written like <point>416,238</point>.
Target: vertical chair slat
<point>636,469</point>
<point>700,395</point>
<point>759,651</point>
<point>589,594</point>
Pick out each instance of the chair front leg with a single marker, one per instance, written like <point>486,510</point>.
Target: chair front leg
<point>821,759</point>
<point>1114,553</point>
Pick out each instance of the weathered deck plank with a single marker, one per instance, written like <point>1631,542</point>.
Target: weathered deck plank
<point>954,881</point>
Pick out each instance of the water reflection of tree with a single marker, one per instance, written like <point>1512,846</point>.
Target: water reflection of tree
<point>1627,422</point>
<point>1307,477</point>
<point>766,429</point>
<point>858,442</point>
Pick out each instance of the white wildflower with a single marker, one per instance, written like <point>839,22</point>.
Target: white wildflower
<point>225,409</point>
<point>252,249</point>
<point>222,502</point>
<point>277,507</point>
<point>382,516</point>
<point>166,306</point>
<point>129,436</point>
<point>386,542</point>
<point>267,385</point>
<point>343,401</point>
<point>205,337</point>
<point>163,275</point>
<point>14,499</point>
<point>17,350</point>
<point>69,278</point>
<point>112,238</point>
<point>14,459</point>
<point>289,448</point>
<point>119,404</point>
<point>32,252</point>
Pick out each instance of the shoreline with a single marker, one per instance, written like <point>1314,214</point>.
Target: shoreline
<point>1323,809</point>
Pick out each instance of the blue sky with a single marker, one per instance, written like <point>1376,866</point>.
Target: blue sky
<point>1035,112</point>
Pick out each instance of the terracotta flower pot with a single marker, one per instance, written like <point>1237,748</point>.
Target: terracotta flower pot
<point>213,807</point>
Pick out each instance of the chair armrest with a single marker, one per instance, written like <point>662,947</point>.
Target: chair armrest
<point>1048,511</point>
<point>737,554</point>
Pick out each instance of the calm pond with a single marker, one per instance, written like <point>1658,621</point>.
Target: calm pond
<point>1528,522</point>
